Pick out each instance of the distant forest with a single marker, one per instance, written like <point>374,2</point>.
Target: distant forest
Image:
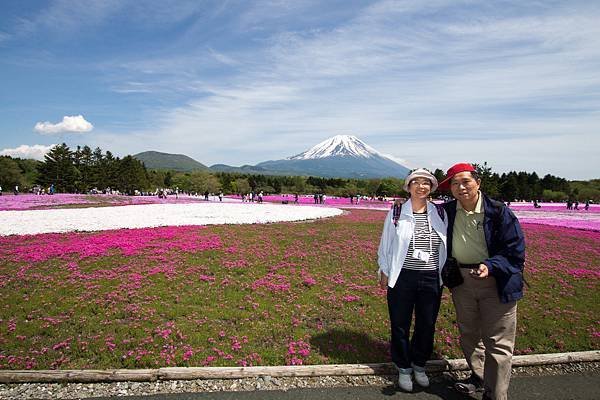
<point>83,170</point>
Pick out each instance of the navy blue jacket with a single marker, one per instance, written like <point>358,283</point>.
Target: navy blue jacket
<point>505,245</point>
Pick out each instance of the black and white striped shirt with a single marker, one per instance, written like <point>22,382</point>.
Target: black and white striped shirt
<point>421,241</point>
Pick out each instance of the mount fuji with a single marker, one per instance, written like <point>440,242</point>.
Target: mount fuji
<point>342,156</point>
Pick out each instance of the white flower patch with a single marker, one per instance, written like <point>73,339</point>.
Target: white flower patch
<point>29,222</point>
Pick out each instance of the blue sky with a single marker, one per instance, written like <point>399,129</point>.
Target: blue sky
<point>516,84</point>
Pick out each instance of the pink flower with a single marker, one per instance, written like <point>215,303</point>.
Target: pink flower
<point>350,298</point>
<point>296,361</point>
<point>207,278</point>
<point>309,281</point>
<point>61,345</point>
<point>188,354</point>
<point>297,351</point>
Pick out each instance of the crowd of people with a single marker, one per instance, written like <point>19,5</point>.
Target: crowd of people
<point>252,197</point>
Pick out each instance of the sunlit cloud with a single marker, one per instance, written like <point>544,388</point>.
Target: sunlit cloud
<point>36,152</point>
<point>72,124</point>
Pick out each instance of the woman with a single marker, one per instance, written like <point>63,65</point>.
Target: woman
<point>411,254</point>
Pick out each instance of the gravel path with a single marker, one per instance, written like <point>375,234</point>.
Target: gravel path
<point>80,390</point>
<point>31,222</point>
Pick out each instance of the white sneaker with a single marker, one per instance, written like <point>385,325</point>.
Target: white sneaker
<point>421,378</point>
<point>405,382</point>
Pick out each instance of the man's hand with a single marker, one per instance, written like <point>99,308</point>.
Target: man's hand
<point>383,281</point>
<point>480,273</point>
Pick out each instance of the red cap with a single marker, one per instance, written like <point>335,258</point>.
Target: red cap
<point>453,170</point>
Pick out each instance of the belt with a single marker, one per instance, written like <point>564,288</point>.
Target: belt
<point>470,266</point>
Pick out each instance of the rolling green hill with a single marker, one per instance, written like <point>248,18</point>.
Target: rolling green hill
<point>176,162</point>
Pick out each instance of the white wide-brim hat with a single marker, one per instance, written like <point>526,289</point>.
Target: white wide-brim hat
<point>420,173</point>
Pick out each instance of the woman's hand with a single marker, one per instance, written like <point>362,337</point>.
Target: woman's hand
<point>383,281</point>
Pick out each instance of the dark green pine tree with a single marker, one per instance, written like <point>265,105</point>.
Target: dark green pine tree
<point>86,169</point>
<point>490,181</point>
<point>97,173</point>
<point>556,184</point>
<point>510,187</point>
<point>523,184</point>
<point>110,168</point>
<point>58,168</point>
<point>533,181</point>
<point>168,179</point>
<point>132,175</point>
<point>439,174</point>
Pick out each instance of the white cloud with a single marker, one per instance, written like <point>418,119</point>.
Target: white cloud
<point>37,151</point>
<point>73,124</point>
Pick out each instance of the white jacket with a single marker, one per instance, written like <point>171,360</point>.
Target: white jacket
<point>396,239</point>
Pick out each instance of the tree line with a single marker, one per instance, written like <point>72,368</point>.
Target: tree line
<point>83,170</point>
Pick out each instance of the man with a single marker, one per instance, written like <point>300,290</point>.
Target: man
<point>486,239</point>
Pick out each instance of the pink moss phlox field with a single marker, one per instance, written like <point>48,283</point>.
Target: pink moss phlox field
<point>556,214</point>
<point>61,200</point>
<point>554,207</point>
<point>555,219</point>
<point>241,295</point>
<point>37,248</point>
<point>563,268</point>
<point>561,250</point>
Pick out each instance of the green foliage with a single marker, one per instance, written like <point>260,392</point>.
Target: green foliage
<point>528,186</point>
<point>389,187</point>
<point>168,179</point>
<point>439,174</point>
<point>131,175</point>
<point>59,169</point>
<point>586,190</point>
<point>241,185</point>
<point>509,188</point>
<point>299,184</point>
<point>10,173</point>
<point>83,169</point>
<point>29,171</point>
<point>490,181</point>
<point>83,160</point>
<point>195,182</point>
<point>551,195</point>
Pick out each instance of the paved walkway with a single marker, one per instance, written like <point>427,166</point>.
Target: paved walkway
<point>561,387</point>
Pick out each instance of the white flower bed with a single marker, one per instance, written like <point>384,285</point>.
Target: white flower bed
<point>151,215</point>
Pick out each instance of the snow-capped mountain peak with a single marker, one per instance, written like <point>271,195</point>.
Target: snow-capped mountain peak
<point>338,146</point>
<point>342,156</point>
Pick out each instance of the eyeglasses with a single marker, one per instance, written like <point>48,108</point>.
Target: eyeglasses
<point>420,183</point>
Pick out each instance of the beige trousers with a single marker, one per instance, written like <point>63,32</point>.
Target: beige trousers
<point>487,332</point>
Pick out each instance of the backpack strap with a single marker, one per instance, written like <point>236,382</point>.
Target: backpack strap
<point>396,213</point>
<point>440,210</point>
